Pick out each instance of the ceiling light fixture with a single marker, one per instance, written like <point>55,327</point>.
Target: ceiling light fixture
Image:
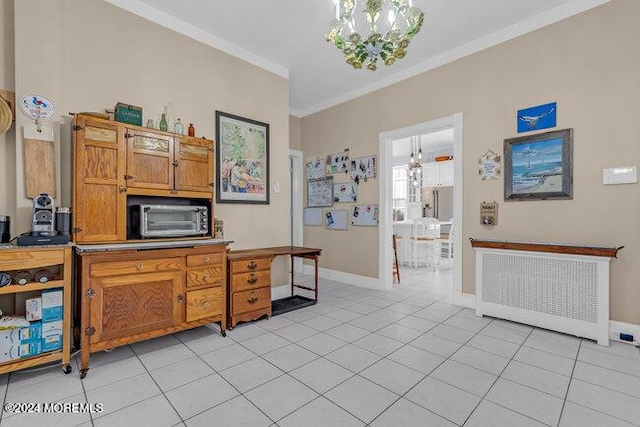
<point>404,22</point>
<point>415,168</point>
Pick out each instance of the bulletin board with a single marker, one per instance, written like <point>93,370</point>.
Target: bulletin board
<point>363,168</point>
<point>315,167</point>
<point>364,215</point>
<point>312,216</point>
<point>336,220</point>
<point>345,193</point>
<point>338,162</point>
<point>320,192</point>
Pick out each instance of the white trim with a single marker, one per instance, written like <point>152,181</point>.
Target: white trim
<point>523,27</point>
<point>279,292</point>
<point>340,276</point>
<point>297,203</point>
<point>615,328</point>
<point>179,26</point>
<point>385,170</point>
<point>296,112</point>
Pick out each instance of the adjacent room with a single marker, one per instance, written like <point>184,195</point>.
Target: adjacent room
<point>319,213</point>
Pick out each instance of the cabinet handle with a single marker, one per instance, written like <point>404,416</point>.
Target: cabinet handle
<point>140,266</point>
<point>252,265</point>
<point>206,259</point>
<point>206,277</point>
<point>206,304</point>
<point>252,300</point>
<point>122,189</point>
<point>253,279</point>
<point>180,298</point>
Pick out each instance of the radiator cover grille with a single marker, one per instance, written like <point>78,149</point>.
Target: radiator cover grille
<point>560,287</point>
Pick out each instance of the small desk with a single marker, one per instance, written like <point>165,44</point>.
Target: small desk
<point>299,252</point>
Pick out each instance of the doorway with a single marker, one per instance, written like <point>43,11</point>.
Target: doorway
<point>412,134</point>
<point>295,211</point>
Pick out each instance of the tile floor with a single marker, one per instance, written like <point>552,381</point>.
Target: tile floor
<point>359,357</point>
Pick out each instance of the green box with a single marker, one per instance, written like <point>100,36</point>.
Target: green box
<point>129,114</point>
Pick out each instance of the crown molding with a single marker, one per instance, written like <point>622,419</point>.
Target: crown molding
<point>171,22</point>
<point>523,27</point>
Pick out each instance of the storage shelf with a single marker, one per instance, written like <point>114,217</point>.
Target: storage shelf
<point>32,286</point>
<point>28,362</point>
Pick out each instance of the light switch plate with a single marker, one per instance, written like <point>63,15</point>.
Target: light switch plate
<point>621,175</point>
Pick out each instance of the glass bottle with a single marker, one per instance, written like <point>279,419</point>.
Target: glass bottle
<point>178,127</point>
<point>163,123</point>
<point>192,130</point>
<point>150,124</point>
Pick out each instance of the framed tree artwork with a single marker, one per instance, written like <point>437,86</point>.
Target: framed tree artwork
<point>242,160</point>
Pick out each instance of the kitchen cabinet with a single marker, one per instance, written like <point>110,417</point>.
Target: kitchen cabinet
<point>437,174</point>
<point>250,285</point>
<point>113,161</point>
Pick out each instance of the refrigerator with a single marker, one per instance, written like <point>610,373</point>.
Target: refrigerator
<point>439,201</point>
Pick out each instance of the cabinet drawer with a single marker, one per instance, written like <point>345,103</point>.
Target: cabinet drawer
<point>257,299</point>
<point>248,265</point>
<point>204,259</point>
<point>205,276</point>
<point>117,268</point>
<point>205,303</point>
<point>247,281</point>
<point>15,260</point>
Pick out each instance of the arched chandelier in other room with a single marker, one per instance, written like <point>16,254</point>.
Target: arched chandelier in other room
<point>386,41</point>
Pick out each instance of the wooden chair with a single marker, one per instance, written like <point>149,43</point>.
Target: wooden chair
<point>396,267</point>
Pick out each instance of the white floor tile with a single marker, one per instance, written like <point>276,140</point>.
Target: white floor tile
<point>245,331</point>
<point>489,414</point>
<point>116,396</point>
<point>370,323</point>
<point>610,361</point>
<point>347,332</point>
<point>290,357</point>
<point>421,325</point>
<point>227,357</point>
<point>154,357</point>
<point>322,323</point>
<point>265,343</point>
<point>181,373</point>
<point>203,340</point>
<point>320,413</point>
<point>274,323</point>
<point>494,345</point>
<point>437,345</point>
<point>251,374</point>
<point>237,412</point>
<point>465,377</point>
<point>578,416</point>
<point>537,378</point>
<point>296,332</point>
<point>480,359</point>
<point>112,371</point>
<point>615,348</point>
<point>549,361</point>
<point>471,324</point>
<point>604,400</point>
<point>362,398</point>
<point>53,390</point>
<point>48,419</point>
<point>392,376</point>
<point>607,378</point>
<point>400,333</point>
<point>353,358</point>
<point>526,401</point>
<point>322,343</point>
<point>502,331</point>
<point>156,411</point>
<point>198,396</point>
<point>321,375</point>
<point>417,359</point>
<point>378,344</point>
<point>447,401</point>
<point>280,397</point>
<point>560,344</point>
<point>407,414</point>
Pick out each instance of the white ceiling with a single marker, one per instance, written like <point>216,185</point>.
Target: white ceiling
<point>435,141</point>
<point>287,37</point>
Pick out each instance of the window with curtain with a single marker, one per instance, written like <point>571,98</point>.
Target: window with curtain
<point>400,193</point>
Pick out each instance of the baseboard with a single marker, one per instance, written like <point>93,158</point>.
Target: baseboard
<point>279,292</point>
<point>348,278</point>
<point>468,301</point>
<point>615,328</point>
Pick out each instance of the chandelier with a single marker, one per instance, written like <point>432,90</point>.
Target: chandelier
<point>415,167</point>
<point>386,44</point>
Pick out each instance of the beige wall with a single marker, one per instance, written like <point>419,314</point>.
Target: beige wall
<point>97,54</point>
<point>295,133</point>
<point>590,65</point>
<point>7,82</point>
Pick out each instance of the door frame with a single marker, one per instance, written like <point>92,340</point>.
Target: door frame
<point>454,121</point>
<point>296,208</point>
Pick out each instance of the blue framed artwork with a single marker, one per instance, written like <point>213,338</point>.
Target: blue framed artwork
<point>537,118</point>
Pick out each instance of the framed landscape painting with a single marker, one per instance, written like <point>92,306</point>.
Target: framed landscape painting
<point>539,167</point>
<point>242,160</point>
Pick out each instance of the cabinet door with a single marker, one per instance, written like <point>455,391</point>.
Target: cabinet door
<point>99,201</point>
<point>194,164</point>
<point>135,304</point>
<point>430,174</point>
<point>446,173</point>
<point>149,160</point>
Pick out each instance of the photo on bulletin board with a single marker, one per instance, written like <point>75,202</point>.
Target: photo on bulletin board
<point>364,215</point>
<point>336,220</point>
<point>363,168</point>
<point>312,216</point>
<point>338,162</point>
<point>315,167</point>
<point>320,192</point>
<point>345,193</point>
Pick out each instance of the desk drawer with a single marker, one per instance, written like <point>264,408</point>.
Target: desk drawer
<point>244,302</point>
<point>249,265</point>
<point>119,268</point>
<point>204,303</point>
<point>247,281</point>
<point>204,259</point>
<point>205,276</point>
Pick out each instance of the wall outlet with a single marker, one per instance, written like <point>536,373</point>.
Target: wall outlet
<point>626,337</point>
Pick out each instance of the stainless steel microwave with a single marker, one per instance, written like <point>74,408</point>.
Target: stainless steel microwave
<point>173,220</point>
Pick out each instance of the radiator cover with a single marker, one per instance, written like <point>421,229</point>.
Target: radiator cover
<point>565,293</point>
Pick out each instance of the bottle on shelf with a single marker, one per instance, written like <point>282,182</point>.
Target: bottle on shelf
<point>192,130</point>
<point>41,276</point>
<point>22,278</point>
<point>150,124</point>
<point>178,127</point>
<point>163,123</point>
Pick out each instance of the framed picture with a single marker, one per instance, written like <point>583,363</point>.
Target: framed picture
<point>242,160</point>
<point>539,167</point>
<point>345,193</point>
<point>320,192</point>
